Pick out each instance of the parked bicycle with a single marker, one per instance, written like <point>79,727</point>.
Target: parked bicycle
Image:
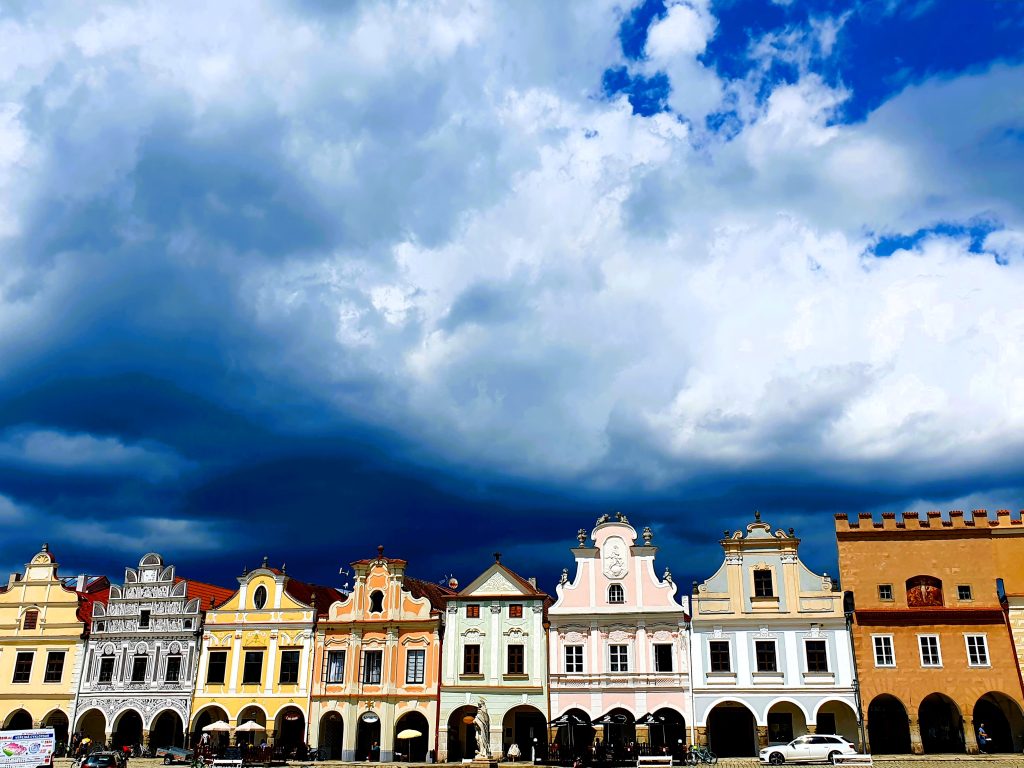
<point>701,754</point>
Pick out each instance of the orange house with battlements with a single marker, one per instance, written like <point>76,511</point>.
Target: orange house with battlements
<point>934,654</point>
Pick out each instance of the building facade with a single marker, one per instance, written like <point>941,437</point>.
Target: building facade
<point>256,657</point>
<point>1008,546</point>
<point>43,626</point>
<point>935,656</point>
<point>618,646</point>
<point>495,649</point>
<point>141,657</point>
<point>771,652</point>
<point>377,666</point>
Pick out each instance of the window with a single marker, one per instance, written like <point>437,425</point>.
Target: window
<point>415,662</point>
<point>188,623</point>
<point>173,672</point>
<point>31,620</point>
<point>574,658</point>
<point>259,597</point>
<point>23,667</point>
<point>885,592</point>
<point>216,665</point>
<point>515,611</point>
<point>963,592</point>
<point>139,664</point>
<point>473,611</point>
<point>289,668</point>
<point>335,667</point>
<point>252,670</point>
<point>763,583</point>
<point>884,656</point>
<point>54,667</point>
<point>924,592</point>
<point>719,652</point>
<point>764,651</point>
<point>516,660</point>
<point>817,655</point>
<point>615,594</point>
<point>106,669</point>
<point>930,656</point>
<point>471,659</point>
<point>144,620</point>
<point>373,663</point>
<point>618,658</point>
<point>663,657</point>
<point>977,651</point>
<point>101,626</point>
<point>376,601</point>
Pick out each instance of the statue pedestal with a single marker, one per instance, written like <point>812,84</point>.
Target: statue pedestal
<point>484,762</point>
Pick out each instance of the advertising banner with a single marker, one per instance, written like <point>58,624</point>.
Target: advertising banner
<point>26,749</point>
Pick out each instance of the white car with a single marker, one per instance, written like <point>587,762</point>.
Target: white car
<point>807,749</point>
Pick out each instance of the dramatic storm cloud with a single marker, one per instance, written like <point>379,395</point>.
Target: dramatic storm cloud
<point>299,278</point>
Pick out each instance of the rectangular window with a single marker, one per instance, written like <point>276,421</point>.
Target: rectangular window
<point>139,664</point>
<point>373,665</point>
<point>763,583</point>
<point>252,670</point>
<point>31,620</point>
<point>618,658</point>
<point>144,620</point>
<point>335,667</point>
<point>963,592</point>
<point>516,660</point>
<point>884,656</point>
<point>515,611</point>
<point>23,667</point>
<point>977,651</point>
<point>764,651</point>
<point>930,656</point>
<point>471,659</point>
<point>817,655</point>
<point>289,668</point>
<point>574,658</point>
<point>663,657</point>
<point>216,667</point>
<point>173,673</point>
<point>719,652</point>
<point>106,669</point>
<point>473,611</point>
<point>885,592</point>
<point>54,667</point>
<point>415,663</point>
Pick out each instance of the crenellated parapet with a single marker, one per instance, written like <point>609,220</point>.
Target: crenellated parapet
<point>933,520</point>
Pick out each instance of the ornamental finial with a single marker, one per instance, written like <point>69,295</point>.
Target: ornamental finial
<point>581,535</point>
<point>757,516</point>
<point>648,535</point>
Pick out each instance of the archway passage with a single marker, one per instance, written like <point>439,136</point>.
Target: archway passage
<point>332,736</point>
<point>619,731</point>
<point>840,719</point>
<point>786,721</point>
<point>128,729</point>
<point>411,749</point>
<point>93,725</point>
<point>461,734</point>
<point>1003,721</point>
<point>941,725</point>
<point>667,733</point>
<point>290,729</point>
<point>167,730</point>
<point>732,731</point>
<point>574,736</point>
<point>59,722</point>
<point>18,720</point>
<point>256,736</point>
<point>368,737</point>
<point>204,718</point>
<point>526,727</point>
<point>888,726</point>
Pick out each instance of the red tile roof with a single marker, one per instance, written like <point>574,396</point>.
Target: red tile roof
<point>304,593</point>
<point>437,594</point>
<point>96,591</point>
<point>210,595</point>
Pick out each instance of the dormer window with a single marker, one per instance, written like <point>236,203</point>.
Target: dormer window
<point>376,601</point>
<point>31,620</point>
<point>616,595</point>
<point>259,597</point>
<point>763,583</point>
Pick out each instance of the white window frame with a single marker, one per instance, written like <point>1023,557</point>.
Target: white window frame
<point>828,656</point>
<point>779,666</point>
<point>892,650</point>
<point>938,650</point>
<point>672,658</point>
<point>410,653</point>
<point>732,655</point>
<point>620,591</point>
<point>582,659</point>
<point>892,593</point>
<point>618,645</point>
<point>970,593</point>
<point>967,646</point>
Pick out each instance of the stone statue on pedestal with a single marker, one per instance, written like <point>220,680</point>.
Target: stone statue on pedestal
<point>482,721</point>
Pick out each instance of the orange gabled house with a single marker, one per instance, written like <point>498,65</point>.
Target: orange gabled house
<point>376,666</point>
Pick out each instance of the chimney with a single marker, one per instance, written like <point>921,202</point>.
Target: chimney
<point>80,582</point>
<point>533,581</point>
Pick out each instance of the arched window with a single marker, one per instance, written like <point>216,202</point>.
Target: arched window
<point>615,594</point>
<point>376,601</point>
<point>31,620</point>
<point>259,597</point>
<point>924,592</point>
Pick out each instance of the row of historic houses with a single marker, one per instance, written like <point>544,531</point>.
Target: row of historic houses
<point>921,649</point>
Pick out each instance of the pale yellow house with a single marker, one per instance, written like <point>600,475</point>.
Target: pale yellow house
<point>43,626</point>
<point>256,655</point>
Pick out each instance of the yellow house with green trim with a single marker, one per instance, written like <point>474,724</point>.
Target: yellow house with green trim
<point>256,658</point>
<point>43,626</point>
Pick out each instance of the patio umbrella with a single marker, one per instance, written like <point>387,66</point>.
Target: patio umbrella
<point>250,725</point>
<point>409,733</point>
<point>217,725</point>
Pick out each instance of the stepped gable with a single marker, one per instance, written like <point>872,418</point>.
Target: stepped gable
<point>979,520</point>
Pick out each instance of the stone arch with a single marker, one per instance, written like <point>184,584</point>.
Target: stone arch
<point>575,739</point>
<point>58,720</point>
<point>837,717</point>
<point>525,726</point>
<point>253,712</point>
<point>941,724</point>
<point>127,728</point>
<point>368,735</point>
<point>785,719</point>
<point>412,750</point>
<point>203,717</point>
<point>460,733</point>
<point>18,720</point>
<point>331,738</point>
<point>888,726</point>
<point>289,728</point>
<point>1003,720</point>
<point>93,723</point>
<point>167,729</point>
<point>732,729</point>
<point>670,731</point>
<point>618,730</point>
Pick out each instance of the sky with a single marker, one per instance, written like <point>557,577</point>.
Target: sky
<point>299,278</point>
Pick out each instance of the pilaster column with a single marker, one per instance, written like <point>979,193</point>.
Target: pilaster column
<point>970,736</point>
<point>762,736</point>
<point>145,737</point>
<point>916,745</point>
<point>812,728</point>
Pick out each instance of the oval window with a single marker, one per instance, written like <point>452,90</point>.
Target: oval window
<point>259,597</point>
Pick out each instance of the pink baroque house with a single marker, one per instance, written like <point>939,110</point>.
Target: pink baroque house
<point>619,669</point>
